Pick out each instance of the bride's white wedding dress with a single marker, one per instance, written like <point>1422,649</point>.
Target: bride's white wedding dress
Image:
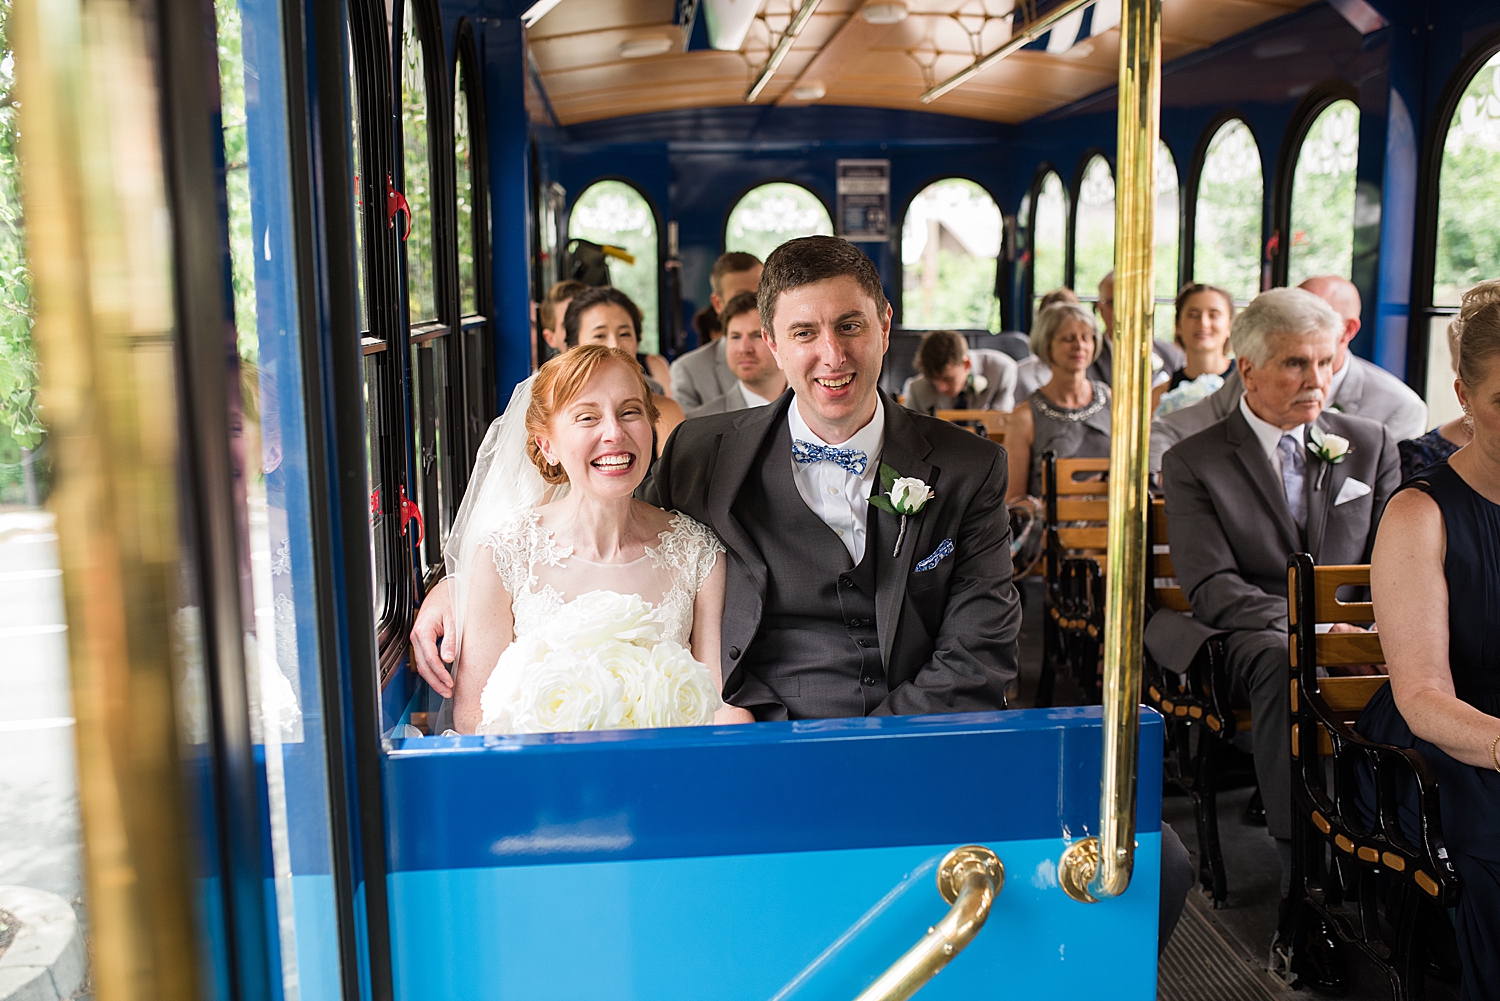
<point>542,577</point>
<point>599,645</point>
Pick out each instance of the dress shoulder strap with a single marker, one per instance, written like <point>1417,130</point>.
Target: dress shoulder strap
<point>688,549</point>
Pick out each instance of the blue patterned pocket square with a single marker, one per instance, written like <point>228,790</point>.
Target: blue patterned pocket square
<point>943,549</point>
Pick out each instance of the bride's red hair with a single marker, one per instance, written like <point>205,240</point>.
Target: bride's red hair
<point>558,384</point>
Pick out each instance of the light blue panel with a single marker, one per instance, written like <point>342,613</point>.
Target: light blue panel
<point>785,927</point>
<point>317,938</point>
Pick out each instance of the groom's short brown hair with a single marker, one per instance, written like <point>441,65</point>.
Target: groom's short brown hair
<point>813,259</point>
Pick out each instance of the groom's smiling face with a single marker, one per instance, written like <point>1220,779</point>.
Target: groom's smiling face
<point>830,340</point>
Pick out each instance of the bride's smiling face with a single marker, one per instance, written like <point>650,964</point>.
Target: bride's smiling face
<point>602,437</point>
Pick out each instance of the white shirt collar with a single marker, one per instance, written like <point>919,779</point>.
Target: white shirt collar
<point>867,439</point>
<point>752,398</point>
<point>1338,378</point>
<point>1269,435</point>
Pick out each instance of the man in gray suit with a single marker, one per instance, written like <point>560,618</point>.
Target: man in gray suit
<point>1279,474</point>
<point>758,380</point>
<point>1358,387</point>
<point>953,376</point>
<point>703,374</point>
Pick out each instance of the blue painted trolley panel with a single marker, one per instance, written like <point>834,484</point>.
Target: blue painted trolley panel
<point>782,860</point>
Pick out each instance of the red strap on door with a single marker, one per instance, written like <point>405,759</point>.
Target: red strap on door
<point>409,511</point>
<point>395,202</point>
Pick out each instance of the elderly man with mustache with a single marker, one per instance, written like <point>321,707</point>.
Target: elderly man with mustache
<point>1279,474</point>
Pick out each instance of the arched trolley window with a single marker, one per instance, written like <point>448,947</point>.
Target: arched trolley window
<point>1094,227</point>
<point>1048,236</point>
<point>1321,237</point>
<point>950,243</point>
<point>769,215</point>
<point>613,213</point>
<point>473,231</point>
<point>1468,224</point>
<point>1227,212</point>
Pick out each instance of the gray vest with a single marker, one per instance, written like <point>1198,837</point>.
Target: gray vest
<point>817,646</point>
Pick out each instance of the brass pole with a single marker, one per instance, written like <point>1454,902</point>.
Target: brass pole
<point>1130,416</point>
<point>95,204</point>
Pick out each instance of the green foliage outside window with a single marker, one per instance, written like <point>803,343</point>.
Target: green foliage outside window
<point>1049,234</point>
<point>1322,237</point>
<point>1094,237</point>
<point>1468,243</point>
<point>1226,247</point>
<point>463,155</point>
<point>949,244</point>
<point>772,214</point>
<point>237,175</point>
<point>21,430</point>
<point>421,281</point>
<point>614,213</point>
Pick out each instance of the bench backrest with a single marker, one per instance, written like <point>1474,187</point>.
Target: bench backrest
<point>1312,601</point>
<point>1075,492</point>
<point>993,421</point>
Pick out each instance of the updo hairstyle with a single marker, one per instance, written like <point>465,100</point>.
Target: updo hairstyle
<point>1476,331</point>
<point>601,296</point>
<point>558,384</point>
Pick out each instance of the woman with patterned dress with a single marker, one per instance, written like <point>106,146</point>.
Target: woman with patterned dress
<point>1070,414</point>
<point>553,544</point>
<point>1435,580</point>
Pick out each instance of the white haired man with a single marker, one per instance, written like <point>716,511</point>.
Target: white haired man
<point>1279,474</point>
<point>1357,386</point>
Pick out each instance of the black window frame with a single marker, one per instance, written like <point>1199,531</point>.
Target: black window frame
<point>1312,105</point>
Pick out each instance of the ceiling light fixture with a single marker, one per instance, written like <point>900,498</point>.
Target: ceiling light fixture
<point>537,11</point>
<point>883,13</point>
<point>640,48</point>
<point>799,21</point>
<point>809,92</point>
<point>1025,37</point>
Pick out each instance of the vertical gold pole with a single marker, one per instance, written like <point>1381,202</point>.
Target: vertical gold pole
<point>1093,869</point>
<point>1130,416</point>
<point>96,227</point>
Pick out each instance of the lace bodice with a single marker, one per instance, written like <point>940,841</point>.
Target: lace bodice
<point>542,576</point>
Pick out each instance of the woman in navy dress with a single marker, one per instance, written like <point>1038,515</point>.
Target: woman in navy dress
<point>1435,579</point>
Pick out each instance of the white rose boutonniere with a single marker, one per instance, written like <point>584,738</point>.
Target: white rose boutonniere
<point>1331,448</point>
<point>977,383</point>
<point>904,496</point>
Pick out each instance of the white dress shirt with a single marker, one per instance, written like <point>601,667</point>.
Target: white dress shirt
<point>838,497</point>
<point>1269,435</point>
<point>752,398</point>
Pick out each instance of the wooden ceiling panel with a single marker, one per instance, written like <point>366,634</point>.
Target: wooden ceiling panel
<point>577,51</point>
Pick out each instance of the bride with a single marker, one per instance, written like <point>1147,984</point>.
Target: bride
<point>578,605</point>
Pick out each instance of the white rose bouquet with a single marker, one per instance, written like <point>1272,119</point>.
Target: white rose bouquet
<point>601,665</point>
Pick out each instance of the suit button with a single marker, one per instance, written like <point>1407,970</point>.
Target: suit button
<point>867,681</point>
<point>734,653</point>
<point>856,623</point>
<point>846,582</point>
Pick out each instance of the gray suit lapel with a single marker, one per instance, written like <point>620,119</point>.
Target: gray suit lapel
<point>733,461</point>
<point>1320,502</point>
<point>906,452</point>
<point>1262,474</point>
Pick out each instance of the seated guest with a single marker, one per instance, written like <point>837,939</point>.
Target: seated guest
<point>758,379</point>
<point>1168,356</point>
<point>552,311</point>
<point>1442,441</point>
<point>703,373</point>
<point>608,316</point>
<point>1056,296</point>
<point>1202,331</point>
<point>1359,387</point>
<point>1435,579</point>
<point>1070,414</point>
<point>1242,494</point>
<point>953,376</point>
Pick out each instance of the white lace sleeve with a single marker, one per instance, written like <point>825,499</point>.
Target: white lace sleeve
<point>689,549</point>
<point>515,547</point>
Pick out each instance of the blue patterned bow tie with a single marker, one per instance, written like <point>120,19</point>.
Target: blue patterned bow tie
<point>849,459</point>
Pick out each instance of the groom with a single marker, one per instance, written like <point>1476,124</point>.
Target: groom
<point>834,605</point>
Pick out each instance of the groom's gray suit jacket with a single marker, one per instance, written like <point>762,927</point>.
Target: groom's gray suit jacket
<point>947,634</point>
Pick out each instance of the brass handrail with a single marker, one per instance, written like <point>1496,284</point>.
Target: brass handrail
<point>1093,869</point>
<point>970,879</point>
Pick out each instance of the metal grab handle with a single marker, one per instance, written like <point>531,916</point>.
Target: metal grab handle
<point>970,879</point>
